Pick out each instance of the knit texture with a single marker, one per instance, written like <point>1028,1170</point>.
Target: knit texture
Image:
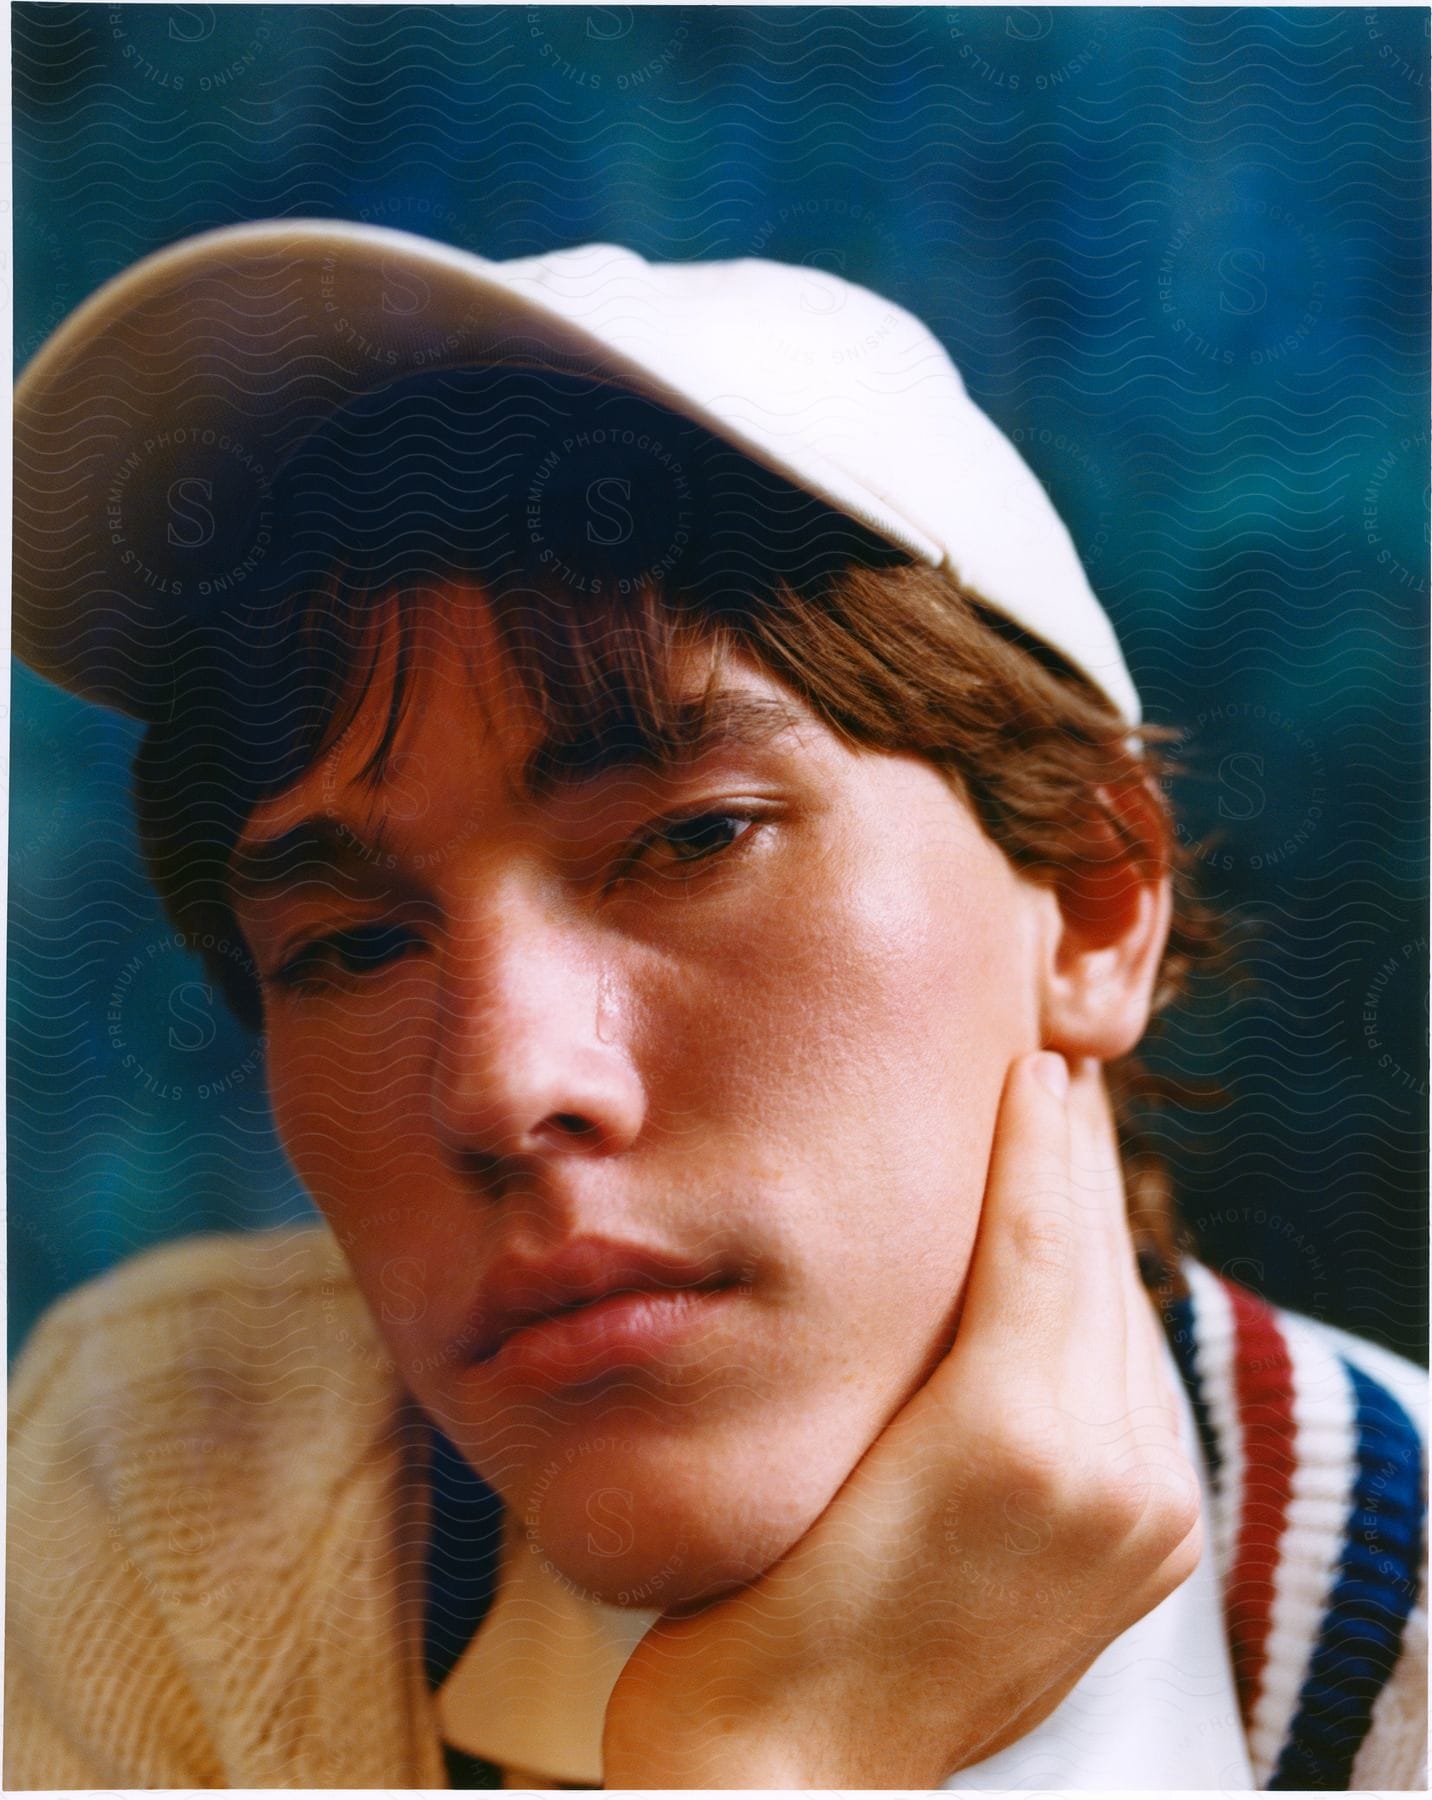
<point>221,1568</point>
<point>1316,1447</point>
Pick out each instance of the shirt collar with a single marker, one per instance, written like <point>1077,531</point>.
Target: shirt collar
<point>531,1689</point>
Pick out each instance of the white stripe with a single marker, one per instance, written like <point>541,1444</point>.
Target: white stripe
<point>1319,1503</point>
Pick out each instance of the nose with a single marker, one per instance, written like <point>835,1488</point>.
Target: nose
<point>531,1061</point>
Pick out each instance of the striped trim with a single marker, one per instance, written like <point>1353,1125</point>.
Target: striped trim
<point>1319,1502</point>
<point>1263,1388</point>
<point>1377,1585</point>
<point>1319,1531</point>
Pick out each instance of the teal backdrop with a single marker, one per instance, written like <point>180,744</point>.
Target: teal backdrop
<point>1181,257</point>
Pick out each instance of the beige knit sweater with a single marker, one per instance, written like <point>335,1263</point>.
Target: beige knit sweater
<point>218,1517</point>
<point>216,1528</point>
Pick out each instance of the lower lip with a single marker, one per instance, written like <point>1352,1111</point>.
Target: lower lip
<point>626,1331</point>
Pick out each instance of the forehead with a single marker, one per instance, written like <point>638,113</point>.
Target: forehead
<point>455,685</point>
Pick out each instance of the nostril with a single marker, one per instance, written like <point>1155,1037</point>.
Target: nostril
<point>573,1125</point>
<point>498,1171</point>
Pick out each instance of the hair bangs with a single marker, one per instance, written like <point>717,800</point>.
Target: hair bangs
<point>597,679</point>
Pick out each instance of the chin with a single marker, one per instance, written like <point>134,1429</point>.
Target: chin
<point>659,1539</point>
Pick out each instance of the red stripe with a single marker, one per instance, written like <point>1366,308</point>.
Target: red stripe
<point>1263,1386</point>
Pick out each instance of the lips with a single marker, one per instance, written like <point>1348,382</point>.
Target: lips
<point>582,1274</point>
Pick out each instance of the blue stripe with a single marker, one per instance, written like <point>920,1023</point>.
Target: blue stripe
<point>1375,1588</point>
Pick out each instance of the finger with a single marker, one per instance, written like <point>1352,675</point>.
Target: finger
<point>1100,1209</point>
<point>1105,1384</point>
<point>1020,1298</point>
<point>1152,1434</point>
<point>1116,1288</point>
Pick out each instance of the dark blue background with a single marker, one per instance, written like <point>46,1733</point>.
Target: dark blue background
<point>1181,257</point>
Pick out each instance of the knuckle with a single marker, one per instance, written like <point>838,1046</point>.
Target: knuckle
<point>1186,1554</point>
<point>1178,1527</point>
<point>1175,1560</point>
<point>1155,1511</point>
<point>1113,1509</point>
<point>1027,1455</point>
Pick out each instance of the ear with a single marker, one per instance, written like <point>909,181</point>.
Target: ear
<point>1108,927</point>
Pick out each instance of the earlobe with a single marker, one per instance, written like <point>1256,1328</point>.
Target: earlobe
<point>1109,923</point>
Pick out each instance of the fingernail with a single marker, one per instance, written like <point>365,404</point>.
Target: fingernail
<point>1051,1069</point>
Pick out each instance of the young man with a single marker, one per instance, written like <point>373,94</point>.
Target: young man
<point>645,751</point>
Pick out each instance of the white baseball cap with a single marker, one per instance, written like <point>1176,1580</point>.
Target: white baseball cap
<point>195,373</point>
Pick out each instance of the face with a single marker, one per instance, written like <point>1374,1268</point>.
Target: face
<point>731,1033</point>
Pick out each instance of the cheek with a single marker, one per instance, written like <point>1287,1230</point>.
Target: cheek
<point>350,1110</point>
<point>850,1063</point>
<point>346,1085</point>
<point>881,998</point>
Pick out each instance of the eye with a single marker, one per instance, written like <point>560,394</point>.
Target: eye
<point>694,839</point>
<point>674,845</point>
<point>354,952</point>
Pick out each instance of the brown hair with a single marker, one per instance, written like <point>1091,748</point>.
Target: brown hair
<point>891,657</point>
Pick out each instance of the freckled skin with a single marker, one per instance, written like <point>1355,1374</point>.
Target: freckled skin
<point>788,1053</point>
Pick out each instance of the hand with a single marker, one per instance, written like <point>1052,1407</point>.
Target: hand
<point>1028,1503</point>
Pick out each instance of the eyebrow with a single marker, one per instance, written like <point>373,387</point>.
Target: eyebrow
<point>324,845</point>
<point>724,719</point>
<point>318,846</point>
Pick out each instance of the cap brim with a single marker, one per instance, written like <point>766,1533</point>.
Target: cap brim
<point>234,346</point>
